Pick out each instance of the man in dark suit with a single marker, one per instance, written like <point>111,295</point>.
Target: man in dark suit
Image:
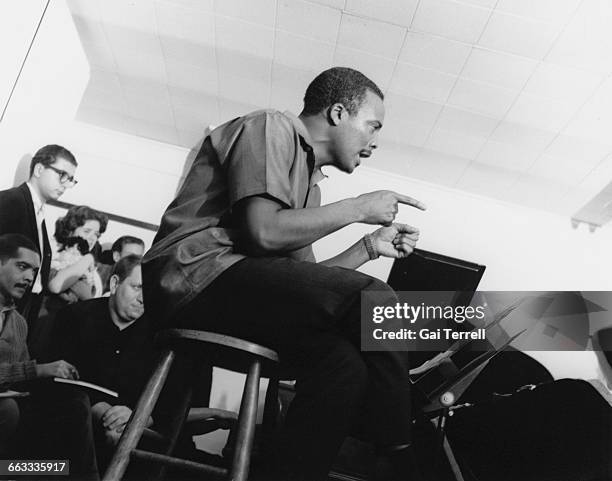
<point>22,212</point>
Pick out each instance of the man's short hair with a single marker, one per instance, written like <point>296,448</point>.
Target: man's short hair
<point>11,243</point>
<point>49,154</point>
<point>338,85</point>
<point>123,267</point>
<point>124,240</point>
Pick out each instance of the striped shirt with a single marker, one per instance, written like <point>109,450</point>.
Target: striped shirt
<point>15,362</point>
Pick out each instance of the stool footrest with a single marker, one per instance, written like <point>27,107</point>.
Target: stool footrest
<point>179,463</point>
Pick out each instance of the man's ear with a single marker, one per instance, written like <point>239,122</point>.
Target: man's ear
<point>113,282</point>
<point>116,256</point>
<point>336,113</point>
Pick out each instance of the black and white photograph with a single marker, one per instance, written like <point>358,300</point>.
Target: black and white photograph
<point>306,240</point>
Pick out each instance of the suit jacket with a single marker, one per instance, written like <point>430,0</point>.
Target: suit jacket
<point>17,217</point>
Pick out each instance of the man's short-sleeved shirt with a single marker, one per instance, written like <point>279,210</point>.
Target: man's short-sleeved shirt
<point>265,153</point>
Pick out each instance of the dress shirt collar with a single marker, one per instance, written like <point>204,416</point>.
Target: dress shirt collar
<point>39,205</point>
<point>317,175</point>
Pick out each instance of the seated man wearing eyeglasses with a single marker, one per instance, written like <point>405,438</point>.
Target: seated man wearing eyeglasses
<point>22,211</point>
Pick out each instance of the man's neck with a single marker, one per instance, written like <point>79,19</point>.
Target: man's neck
<point>36,191</point>
<point>318,129</point>
<point>5,301</point>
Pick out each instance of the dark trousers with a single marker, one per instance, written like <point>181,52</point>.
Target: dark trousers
<point>55,423</point>
<point>310,314</point>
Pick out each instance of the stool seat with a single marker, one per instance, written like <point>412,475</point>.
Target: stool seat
<point>207,348</point>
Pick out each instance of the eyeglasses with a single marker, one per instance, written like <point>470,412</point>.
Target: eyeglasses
<point>64,177</point>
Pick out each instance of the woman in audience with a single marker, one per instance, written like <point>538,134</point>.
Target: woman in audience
<point>73,272</point>
<point>73,275</point>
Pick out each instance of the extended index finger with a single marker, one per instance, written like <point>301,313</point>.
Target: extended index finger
<point>405,199</point>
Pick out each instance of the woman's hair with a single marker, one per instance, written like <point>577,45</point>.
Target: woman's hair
<point>76,217</point>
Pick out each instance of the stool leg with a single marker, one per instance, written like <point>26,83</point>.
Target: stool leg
<point>133,431</point>
<point>247,419</point>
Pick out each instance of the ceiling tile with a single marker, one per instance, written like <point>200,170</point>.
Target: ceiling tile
<point>103,99</point>
<point>191,120</point>
<point>438,168</point>
<point>538,193</point>
<point>487,180</point>
<point>557,82</point>
<point>541,112</point>
<point>262,12</point>
<point>586,40</point>
<point>554,11</point>
<point>561,170</point>
<point>144,89</point>
<point>436,53</point>
<point>520,36</point>
<point>229,109</point>
<point>88,10</point>
<point>301,52</point>
<point>137,41</point>
<point>578,150</point>
<point>156,110</point>
<point>232,34</point>
<point>337,4</point>
<point>202,55</point>
<point>288,87</point>
<point>377,38</point>
<point>379,69</point>
<point>206,5</point>
<point>90,29</point>
<point>191,24</point>
<point>400,131</point>
<point>192,99</point>
<point>482,97</point>
<point>453,143</point>
<point>507,156</point>
<point>411,109</point>
<point>309,20</point>
<point>468,123</point>
<point>105,81</point>
<point>239,63</point>
<point>594,119</point>
<point>421,83</point>
<point>244,89</point>
<point>393,11</point>
<point>509,71</point>
<point>101,117</point>
<point>528,138</point>
<point>457,21</point>
<point>192,77</point>
<point>156,131</point>
<point>135,14</point>
<point>140,65</point>
<point>480,3</point>
<point>99,55</point>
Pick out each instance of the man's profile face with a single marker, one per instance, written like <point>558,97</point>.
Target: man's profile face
<point>355,136</point>
<point>48,180</point>
<point>17,273</point>
<point>128,295</point>
<point>129,249</point>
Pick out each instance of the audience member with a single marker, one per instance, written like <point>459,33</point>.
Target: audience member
<point>22,211</point>
<point>54,421</point>
<point>233,255</point>
<point>78,280</point>
<point>123,246</point>
<point>110,340</point>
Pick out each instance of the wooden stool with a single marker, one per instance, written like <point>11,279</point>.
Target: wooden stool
<point>213,349</point>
